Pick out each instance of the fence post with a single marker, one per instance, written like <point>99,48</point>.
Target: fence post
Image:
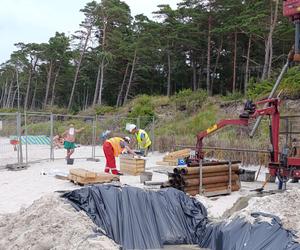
<point>138,122</point>
<point>152,134</point>
<point>94,137</point>
<point>26,139</point>
<point>51,138</point>
<point>20,153</point>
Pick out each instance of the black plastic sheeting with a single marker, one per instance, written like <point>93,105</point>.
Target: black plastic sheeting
<point>140,219</point>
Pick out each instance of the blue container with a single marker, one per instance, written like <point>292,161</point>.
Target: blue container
<point>181,162</point>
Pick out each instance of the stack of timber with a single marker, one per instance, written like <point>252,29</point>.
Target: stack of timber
<point>172,158</point>
<point>84,177</point>
<point>215,179</point>
<point>132,166</point>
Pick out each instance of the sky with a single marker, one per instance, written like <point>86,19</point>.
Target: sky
<point>37,20</point>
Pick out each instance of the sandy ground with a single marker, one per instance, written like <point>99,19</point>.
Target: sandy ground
<point>28,191</point>
<point>54,224</point>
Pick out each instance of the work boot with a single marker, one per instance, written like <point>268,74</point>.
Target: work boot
<point>116,172</point>
<point>106,170</point>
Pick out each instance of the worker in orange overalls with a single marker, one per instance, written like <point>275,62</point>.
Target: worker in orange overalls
<point>112,148</point>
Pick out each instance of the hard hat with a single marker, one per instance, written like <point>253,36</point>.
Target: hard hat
<point>130,127</point>
<point>127,139</point>
<point>105,134</point>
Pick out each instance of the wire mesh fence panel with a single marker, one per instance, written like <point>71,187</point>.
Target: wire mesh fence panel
<point>84,134</point>
<point>10,147</point>
<point>36,136</point>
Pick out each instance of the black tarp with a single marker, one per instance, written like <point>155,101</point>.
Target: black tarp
<point>141,219</point>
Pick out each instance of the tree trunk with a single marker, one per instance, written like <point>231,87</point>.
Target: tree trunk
<point>102,61</point>
<point>247,65</point>
<point>2,94</point>
<point>78,67</point>
<point>131,76</point>
<point>194,76</point>
<point>234,63</point>
<point>5,94</point>
<point>13,99</point>
<point>270,59</point>
<point>9,95</point>
<point>269,43</point>
<point>18,88</point>
<point>122,86</point>
<point>86,99</point>
<point>169,74</point>
<point>208,57</point>
<point>54,84</point>
<point>33,98</point>
<point>48,83</point>
<point>216,66</point>
<point>31,71</point>
<point>101,81</point>
<point>97,84</point>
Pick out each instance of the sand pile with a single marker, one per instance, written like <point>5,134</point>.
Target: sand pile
<point>284,205</point>
<point>50,223</point>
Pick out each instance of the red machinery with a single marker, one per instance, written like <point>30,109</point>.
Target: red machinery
<point>280,165</point>
<point>291,9</point>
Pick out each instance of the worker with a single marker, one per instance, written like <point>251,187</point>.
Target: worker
<point>112,148</point>
<point>142,138</point>
<point>58,141</point>
<point>69,139</point>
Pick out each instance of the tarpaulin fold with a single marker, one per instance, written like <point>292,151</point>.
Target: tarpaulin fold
<point>142,219</point>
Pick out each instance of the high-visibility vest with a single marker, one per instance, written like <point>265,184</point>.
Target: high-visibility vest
<point>146,142</point>
<point>115,142</point>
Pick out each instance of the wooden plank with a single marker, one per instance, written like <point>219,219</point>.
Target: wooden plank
<point>132,166</point>
<point>165,163</point>
<point>100,178</point>
<point>82,172</point>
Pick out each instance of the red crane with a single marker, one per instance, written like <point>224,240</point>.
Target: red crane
<point>291,9</point>
<point>280,165</point>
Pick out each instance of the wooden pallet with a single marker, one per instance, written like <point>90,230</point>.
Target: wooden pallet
<point>85,177</point>
<point>167,163</point>
<point>172,158</point>
<point>132,166</point>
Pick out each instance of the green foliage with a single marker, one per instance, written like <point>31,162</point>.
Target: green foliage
<point>236,96</point>
<point>257,90</point>
<point>290,85</point>
<point>189,100</point>
<point>142,107</point>
<point>56,110</point>
<point>189,126</point>
<point>8,110</point>
<point>103,109</point>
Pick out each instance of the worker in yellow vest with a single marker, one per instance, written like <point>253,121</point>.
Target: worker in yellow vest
<point>142,138</point>
<point>112,148</point>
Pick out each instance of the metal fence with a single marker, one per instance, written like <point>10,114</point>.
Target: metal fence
<point>31,136</point>
<point>10,150</point>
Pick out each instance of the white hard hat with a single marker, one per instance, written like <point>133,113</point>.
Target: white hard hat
<point>127,139</point>
<point>105,134</point>
<point>130,127</point>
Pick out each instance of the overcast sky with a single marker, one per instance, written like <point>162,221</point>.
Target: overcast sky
<point>37,20</point>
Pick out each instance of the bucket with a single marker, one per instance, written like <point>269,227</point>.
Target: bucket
<point>146,176</point>
<point>70,161</point>
<point>248,175</point>
<point>272,178</point>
